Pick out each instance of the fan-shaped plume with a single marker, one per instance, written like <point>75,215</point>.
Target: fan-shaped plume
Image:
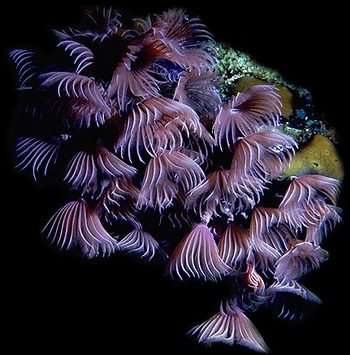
<point>181,39</point>
<point>234,247</point>
<point>82,55</point>
<point>287,299</point>
<point>103,22</point>
<point>291,286</point>
<point>315,233</point>
<point>299,260</point>
<point>25,66</point>
<point>158,124</point>
<point>165,175</point>
<point>134,76</point>
<point>83,168</point>
<point>212,195</point>
<point>37,154</point>
<point>264,256</point>
<point>197,256</point>
<point>258,159</point>
<point>105,19</point>
<point>176,26</point>
<point>111,165</point>
<point>140,242</point>
<point>71,113</point>
<point>306,187</point>
<point>80,87</point>
<point>240,245</point>
<point>304,202</point>
<point>230,326</point>
<point>76,226</point>
<point>264,218</point>
<point>183,32</point>
<point>251,110</point>
<point>118,201</point>
<point>268,225</point>
<point>246,192</point>
<point>238,248</point>
<point>198,89</point>
<point>256,156</point>
<point>82,112</point>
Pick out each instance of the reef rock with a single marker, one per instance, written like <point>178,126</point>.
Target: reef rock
<point>319,156</point>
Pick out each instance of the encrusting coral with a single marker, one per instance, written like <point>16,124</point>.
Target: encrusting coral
<point>136,117</point>
<point>234,65</point>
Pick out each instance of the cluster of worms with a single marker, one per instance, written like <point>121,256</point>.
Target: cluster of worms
<point>127,114</point>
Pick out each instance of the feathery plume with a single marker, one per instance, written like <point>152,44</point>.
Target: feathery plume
<point>230,326</point>
<point>158,124</point>
<point>299,260</point>
<point>75,225</point>
<point>25,66</point>
<point>140,242</point>
<point>84,167</point>
<point>165,175</point>
<point>304,202</point>
<point>250,111</point>
<point>37,154</point>
<point>258,159</point>
<point>197,256</point>
<point>198,89</point>
<point>212,194</point>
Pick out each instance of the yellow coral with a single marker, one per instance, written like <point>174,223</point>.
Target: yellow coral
<point>286,95</point>
<point>318,156</point>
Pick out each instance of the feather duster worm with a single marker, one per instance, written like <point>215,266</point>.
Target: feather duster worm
<point>144,129</point>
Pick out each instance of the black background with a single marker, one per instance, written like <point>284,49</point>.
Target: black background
<point>55,302</point>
